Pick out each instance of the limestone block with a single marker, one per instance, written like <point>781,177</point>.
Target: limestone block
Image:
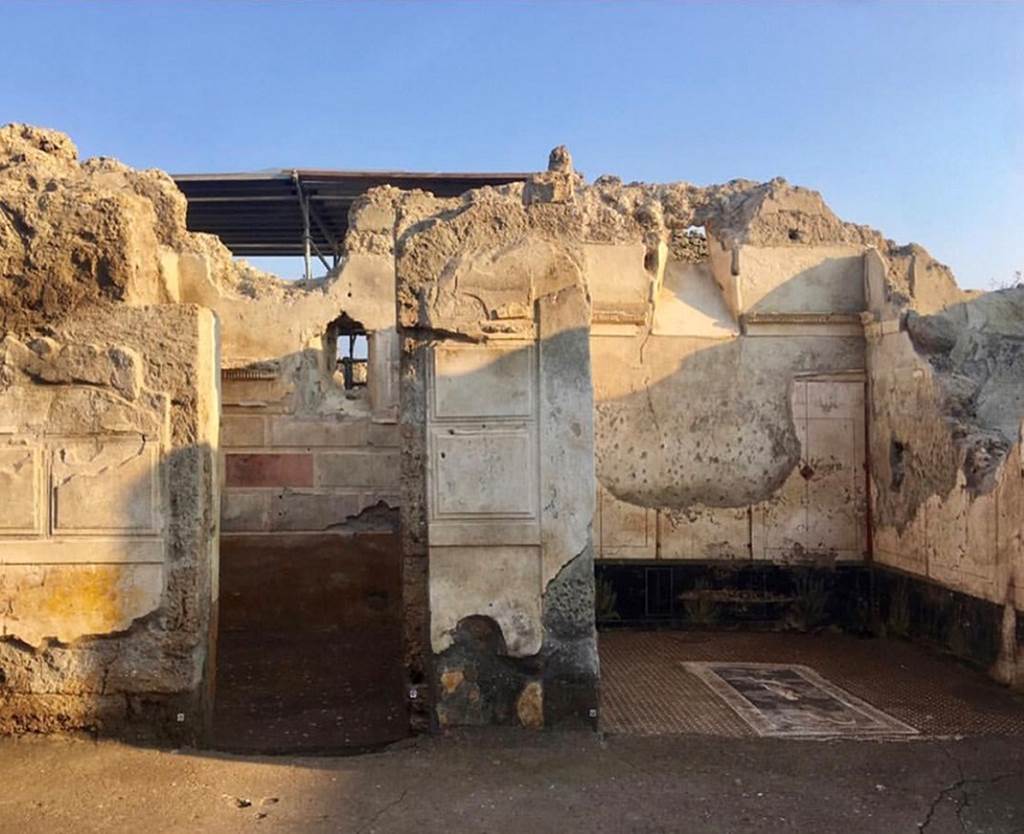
<point>383,373</point>
<point>54,362</point>
<point>298,511</point>
<point>365,289</point>
<point>482,471</point>
<point>252,393</point>
<point>503,583</point>
<point>268,470</point>
<point>530,706</point>
<point>82,550</point>
<point>105,483</point>
<point>385,435</point>
<point>79,410</point>
<point>483,381</point>
<point>244,512</point>
<point>499,283</point>
<point>691,303</point>
<point>808,279</point>
<point>723,259</point>
<point>875,300</point>
<point>704,533</point>
<point>242,430</point>
<point>65,602</point>
<point>195,283</point>
<point>289,431</point>
<point>625,531</point>
<point>20,505</point>
<point>835,500</point>
<point>565,428</point>
<point>619,285</point>
<point>357,469</point>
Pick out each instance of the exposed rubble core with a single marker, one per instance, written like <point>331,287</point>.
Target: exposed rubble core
<point>556,373</point>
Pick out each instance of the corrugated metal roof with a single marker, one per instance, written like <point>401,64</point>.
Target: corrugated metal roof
<point>259,213</point>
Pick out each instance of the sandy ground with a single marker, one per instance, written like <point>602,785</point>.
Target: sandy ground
<point>514,781</point>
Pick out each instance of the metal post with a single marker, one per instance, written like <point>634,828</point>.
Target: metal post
<point>306,237</point>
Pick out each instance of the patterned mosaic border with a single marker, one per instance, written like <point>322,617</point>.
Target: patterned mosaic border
<point>793,719</point>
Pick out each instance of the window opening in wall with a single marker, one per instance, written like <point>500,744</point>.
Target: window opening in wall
<point>352,361</point>
<point>689,245</point>
<point>348,343</point>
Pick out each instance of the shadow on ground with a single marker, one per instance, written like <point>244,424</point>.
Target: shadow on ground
<point>513,781</point>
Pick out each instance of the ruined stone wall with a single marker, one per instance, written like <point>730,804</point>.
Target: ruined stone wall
<point>302,453</point>
<point>108,441</point>
<point>736,437</point>
<point>728,359</point>
<point>117,324</point>
<point>292,466</point>
<point>498,490</point>
<point>729,378</point>
<point>947,400</point>
<point>613,371</point>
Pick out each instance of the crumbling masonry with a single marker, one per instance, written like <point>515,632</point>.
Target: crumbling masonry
<point>559,374</point>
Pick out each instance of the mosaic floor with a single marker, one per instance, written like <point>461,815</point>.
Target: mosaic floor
<point>802,685</point>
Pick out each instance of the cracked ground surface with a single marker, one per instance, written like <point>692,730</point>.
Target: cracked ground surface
<point>512,781</point>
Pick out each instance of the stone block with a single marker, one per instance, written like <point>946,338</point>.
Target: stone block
<point>476,381</point>
<point>357,469</point>
<point>626,530</point>
<point>105,483</point>
<point>482,472</point>
<point>255,393</point>
<point>502,583</point>
<point>700,532</point>
<point>690,303</point>
<point>66,602</point>
<point>530,706</point>
<point>287,431</point>
<point>244,512</point>
<point>19,486</point>
<point>618,281</point>
<point>810,279</point>
<point>299,511</point>
<point>268,470</point>
<point>242,430</point>
<point>384,435</point>
<point>82,550</point>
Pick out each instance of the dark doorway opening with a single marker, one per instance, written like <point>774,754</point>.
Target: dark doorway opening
<point>309,643</point>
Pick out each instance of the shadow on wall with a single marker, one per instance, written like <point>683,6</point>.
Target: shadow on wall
<point>946,459</point>
<point>507,490</point>
<point>718,429</point>
<point>109,580</point>
<point>975,401</point>
<point>108,607</point>
<point>684,421</point>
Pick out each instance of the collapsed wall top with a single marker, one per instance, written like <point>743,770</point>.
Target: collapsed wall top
<point>76,233</point>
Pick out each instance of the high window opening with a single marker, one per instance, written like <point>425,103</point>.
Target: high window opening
<point>353,359</point>
<point>347,342</point>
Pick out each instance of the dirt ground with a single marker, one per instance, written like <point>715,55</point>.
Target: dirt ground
<point>514,781</point>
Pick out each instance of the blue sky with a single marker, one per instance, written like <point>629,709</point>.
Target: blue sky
<point>908,117</point>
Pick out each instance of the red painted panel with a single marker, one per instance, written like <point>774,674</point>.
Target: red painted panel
<point>268,470</point>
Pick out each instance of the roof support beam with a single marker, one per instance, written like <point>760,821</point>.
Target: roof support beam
<point>307,238</point>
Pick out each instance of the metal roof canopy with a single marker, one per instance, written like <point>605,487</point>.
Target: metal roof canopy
<point>301,211</point>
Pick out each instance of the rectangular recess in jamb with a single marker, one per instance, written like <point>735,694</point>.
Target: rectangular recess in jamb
<point>483,472</point>
<point>19,485</point>
<point>105,484</point>
<point>482,381</point>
